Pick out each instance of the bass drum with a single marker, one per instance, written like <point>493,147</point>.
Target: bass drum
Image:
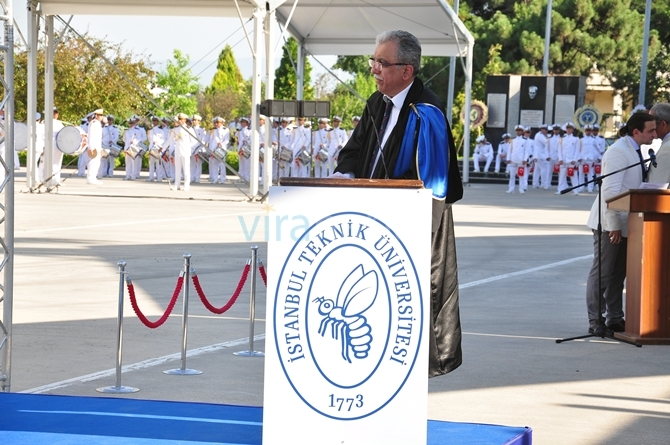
<point>71,140</point>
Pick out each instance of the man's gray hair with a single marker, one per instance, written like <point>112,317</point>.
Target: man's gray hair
<point>409,47</point>
<point>661,111</point>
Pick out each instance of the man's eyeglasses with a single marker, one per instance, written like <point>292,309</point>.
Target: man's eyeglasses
<point>378,65</point>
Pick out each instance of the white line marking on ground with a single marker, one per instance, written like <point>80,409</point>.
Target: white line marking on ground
<point>523,272</point>
<point>145,416</point>
<point>140,365</point>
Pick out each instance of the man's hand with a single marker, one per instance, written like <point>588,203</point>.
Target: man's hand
<point>615,236</point>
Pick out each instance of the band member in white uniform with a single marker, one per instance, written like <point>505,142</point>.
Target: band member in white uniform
<point>130,138</point>
<point>94,147</point>
<point>166,153</point>
<point>588,156</point>
<point>285,144</point>
<point>244,140</point>
<point>82,162</point>
<point>156,141</point>
<point>261,144</point>
<point>301,141</point>
<point>182,152</point>
<point>110,137</point>
<point>57,154</point>
<point>483,152</point>
<point>601,146</point>
<point>554,140</point>
<point>321,142</point>
<point>571,156</point>
<point>543,165</point>
<point>338,140</point>
<point>529,154</point>
<point>516,158</point>
<point>503,149</point>
<point>201,135</point>
<point>142,137</point>
<point>219,137</point>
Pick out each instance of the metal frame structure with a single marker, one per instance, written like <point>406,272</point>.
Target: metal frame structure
<point>7,188</point>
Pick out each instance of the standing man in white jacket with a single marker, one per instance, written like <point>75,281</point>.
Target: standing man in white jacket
<point>94,147</point>
<point>516,158</point>
<point>182,152</point>
<point>542,159</point>
<point>639,130</point>
<point>570,150</point>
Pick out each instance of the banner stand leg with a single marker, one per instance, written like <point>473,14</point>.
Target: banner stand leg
<point>118,388</point>
<point>184,324</point>
<point>252,308</point>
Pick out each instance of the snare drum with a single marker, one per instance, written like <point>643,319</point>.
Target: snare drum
<point>136,150</point>
<point>285,154</point>
<point>71,140</point>
<point>245,151</point>
<point>304,157</point>
<point>105,152</point>
<point>155,152</point>
<point>113,150</point>
<point>322,155</point>
<point>261,154</point>
<point>220,154</point>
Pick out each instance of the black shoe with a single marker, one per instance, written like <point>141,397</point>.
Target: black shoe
<point>619,326</point>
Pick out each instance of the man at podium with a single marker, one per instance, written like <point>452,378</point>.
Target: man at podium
<point>640,129</point>
<point>403,134</point>
<point>661,113</point>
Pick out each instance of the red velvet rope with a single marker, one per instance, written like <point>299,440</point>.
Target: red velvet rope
<point>261,270</point>
<point>168,311</point>
<point>233,298</point>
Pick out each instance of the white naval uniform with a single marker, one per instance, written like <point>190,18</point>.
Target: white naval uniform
<point>137,162</point>
<point>130,137</point>
<point>483,152</point>
<point>322,140</point>
<point>516,158</point>
<point>168,166</point>
<point>301,141</point>
<point>261,144</point>
<point>543,165</point>
<point>501,156</point>
<point>338,140</point>
<point>218,137</point>
<point>110,135</point>
<point>182,141</point>
<point>244,139</point>
<point>588,157</point>
<point>554,141</point>
<point>601,146</point>
<point>156,140</point>
<point>94,143</point>
<point>196,160</point>
<point>569,148</point>
<point>82,162</point>
<point>57,154</point>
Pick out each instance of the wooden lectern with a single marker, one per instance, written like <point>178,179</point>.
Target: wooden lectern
<point>647,265</point>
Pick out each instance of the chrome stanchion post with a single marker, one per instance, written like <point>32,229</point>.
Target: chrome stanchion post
<point>118,389</point>
<point>252,307</point>
<point>184,324</point>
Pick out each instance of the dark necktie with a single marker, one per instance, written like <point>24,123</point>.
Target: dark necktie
<point>382,129</point>
<point>644,169</point>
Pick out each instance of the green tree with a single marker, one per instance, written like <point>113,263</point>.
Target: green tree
<point>228,75</point>
<point>286,79</point>
<point>180,86</point>
<point>83,81</point>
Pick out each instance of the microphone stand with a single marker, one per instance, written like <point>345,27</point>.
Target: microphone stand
<point>601,330</point>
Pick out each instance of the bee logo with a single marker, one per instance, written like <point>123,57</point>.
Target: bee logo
<point>357,294</point>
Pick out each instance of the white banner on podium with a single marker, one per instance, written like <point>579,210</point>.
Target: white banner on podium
<point>347,316</point>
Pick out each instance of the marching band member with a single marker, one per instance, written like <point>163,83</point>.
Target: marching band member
<point>517,157</point>
<point>182,140</point>
<point>57,154</point>
<point>167,150</point>
<point>354,121</point>
<point>94,147</point>
<point>588,155</point>
<point>82,162</point>
<point>219,137</point>
<point>141,137</point>
<point>130,138</point>
<point>110,135</point>
<point>483,151</point>
<point>200,135</point>
<point>261,144</point>
<point>285,143</point>
<point>529,156</point>
<point>322,141</point>
<point>301,142</point>
<point>569,148</point>
<point>338,140</point>
<point>554,141</point>
<point>503,149</point>
<point>601,146</point>
<point>543,165</point>
<point>156,141</point>
<point>244,143</point>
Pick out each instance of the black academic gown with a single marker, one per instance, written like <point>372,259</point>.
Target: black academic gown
<point>445,353</point>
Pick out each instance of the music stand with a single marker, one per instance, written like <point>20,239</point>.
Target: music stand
<point>601,330</point>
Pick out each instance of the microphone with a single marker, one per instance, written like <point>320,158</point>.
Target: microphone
<point>652,157</point>
<point>379,143</point>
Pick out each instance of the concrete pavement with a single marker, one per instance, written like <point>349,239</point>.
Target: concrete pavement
<point>523,262</point>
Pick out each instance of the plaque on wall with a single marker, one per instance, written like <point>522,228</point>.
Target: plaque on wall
<point>531,118</point>
<point>497,104</point>
<point>565,108</point>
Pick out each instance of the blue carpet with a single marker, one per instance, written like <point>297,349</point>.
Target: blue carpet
<point>63,420</point>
